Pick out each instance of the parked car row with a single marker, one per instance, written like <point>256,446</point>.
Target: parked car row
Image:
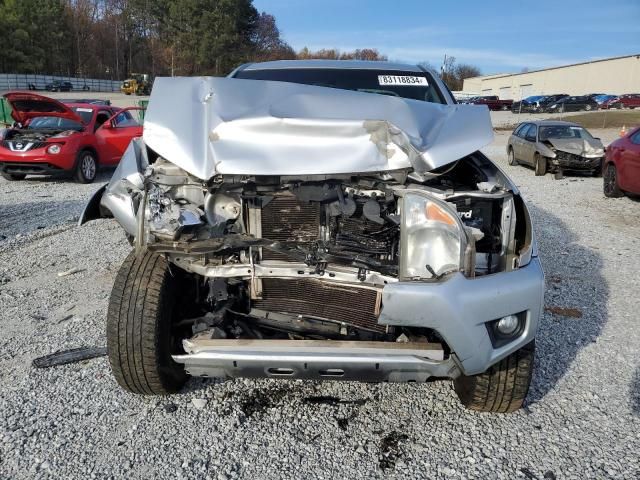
<point>491,101</point>
<point>50,137</point>
<point>555,146</point>
<point>559,103</point>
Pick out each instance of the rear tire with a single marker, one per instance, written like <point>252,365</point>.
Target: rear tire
<point>86,167</point>
<point>610,186</point>
<point>503,387</point>
<point>13,177</point>
<point>511,158</point>
<point>139,336</point>
<point>540,164</point>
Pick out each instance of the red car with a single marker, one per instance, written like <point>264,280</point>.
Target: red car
<point>622,166</point>
<point>50,137</point>
<point>630,100</point>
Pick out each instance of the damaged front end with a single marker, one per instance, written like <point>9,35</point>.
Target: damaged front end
<point>573,154</point>
<point>396,274</point>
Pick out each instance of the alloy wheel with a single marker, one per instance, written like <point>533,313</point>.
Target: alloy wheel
<point>88,166</point>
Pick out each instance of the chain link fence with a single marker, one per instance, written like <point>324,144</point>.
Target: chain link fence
<point>19,81</point>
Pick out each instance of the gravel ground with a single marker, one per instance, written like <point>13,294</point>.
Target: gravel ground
<point>582,418</point>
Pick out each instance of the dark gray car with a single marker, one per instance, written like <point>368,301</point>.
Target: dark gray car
<point>555,146</point>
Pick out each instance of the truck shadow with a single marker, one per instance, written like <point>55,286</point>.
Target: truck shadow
<point>635,393</point>
<point>576,297</point>
<point>28,217</point>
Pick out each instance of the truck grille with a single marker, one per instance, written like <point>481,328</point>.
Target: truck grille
<point>314,298</point>
<point>286,219</point>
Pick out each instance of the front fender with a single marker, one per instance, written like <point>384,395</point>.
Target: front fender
<point>92,210</point>
<point>121,196</point>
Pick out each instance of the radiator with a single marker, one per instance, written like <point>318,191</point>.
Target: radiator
<point>351,305</point>
<point>286,219</point>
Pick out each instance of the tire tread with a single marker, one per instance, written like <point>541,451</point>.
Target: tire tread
<point>139,306</point>
<point>503,387</point>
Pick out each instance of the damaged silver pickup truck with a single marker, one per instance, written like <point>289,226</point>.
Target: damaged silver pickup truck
<point>321,220</point>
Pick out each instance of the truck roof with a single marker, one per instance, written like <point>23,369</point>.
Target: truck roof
<point>338,64</point>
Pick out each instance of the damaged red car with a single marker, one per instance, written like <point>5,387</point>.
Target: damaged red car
<point>52,138</point>
<point>621,172</point>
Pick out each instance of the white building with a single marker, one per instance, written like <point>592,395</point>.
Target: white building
<point>616,76</point>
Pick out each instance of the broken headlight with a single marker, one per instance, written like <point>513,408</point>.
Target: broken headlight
<point>432,239</point>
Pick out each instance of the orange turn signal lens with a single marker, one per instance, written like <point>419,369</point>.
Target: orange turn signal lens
<point>438,214</point>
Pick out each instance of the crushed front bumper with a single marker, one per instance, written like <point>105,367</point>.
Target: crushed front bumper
<point>458,309</point>
<point>569,161</point>
<point>317,360</point>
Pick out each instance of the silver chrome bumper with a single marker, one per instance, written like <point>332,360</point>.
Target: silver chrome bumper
<point>317,360</point>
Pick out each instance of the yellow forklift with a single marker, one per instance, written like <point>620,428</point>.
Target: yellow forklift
<point>138,83</point>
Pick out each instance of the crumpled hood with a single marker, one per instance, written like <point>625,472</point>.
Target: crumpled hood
<point>210,126</point>
<point>578,146</point>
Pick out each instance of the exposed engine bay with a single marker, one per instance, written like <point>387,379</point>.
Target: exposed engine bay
<point>307,257</point>
<point>27,139</point>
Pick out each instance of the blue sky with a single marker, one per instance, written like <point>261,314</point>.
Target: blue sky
<point>497,36</point>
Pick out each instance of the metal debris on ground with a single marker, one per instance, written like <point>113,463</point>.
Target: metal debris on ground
<point>71,271</point>
<point>69,356</point>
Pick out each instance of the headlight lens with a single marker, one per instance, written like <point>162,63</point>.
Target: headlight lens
<point>431,241</point>
<point>54,149</point>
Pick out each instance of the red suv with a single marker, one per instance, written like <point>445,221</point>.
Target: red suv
<point>50,137</point>
<point>630,100</point>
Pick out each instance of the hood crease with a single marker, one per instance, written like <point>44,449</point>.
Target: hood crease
<point>210,126</point>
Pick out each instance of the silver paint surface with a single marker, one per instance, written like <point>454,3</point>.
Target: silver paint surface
<point>210,126</point>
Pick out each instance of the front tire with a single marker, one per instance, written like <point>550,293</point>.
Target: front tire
<point>587,108</point>
<point>540,165</point>
<point>139,322</point>
<point>503,387</point>
<point>13,177</point>
<point>86,167</point>
<point>511,158</point>
<point>610,186</point>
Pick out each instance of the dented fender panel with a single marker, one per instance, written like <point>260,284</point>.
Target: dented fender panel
<point>118,198</point>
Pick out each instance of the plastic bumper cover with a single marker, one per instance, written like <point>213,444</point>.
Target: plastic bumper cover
<point>459,308</point>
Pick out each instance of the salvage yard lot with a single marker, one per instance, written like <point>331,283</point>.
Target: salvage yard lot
<point>582,417</point>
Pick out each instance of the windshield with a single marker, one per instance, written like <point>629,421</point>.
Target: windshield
<point>563,131</point>
<point>534,98</point>
<point>413,85</point>
<point>58,123</point>
<point>55,123</point>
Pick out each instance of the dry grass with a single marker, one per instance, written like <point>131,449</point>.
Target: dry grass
<point>604,118</point>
